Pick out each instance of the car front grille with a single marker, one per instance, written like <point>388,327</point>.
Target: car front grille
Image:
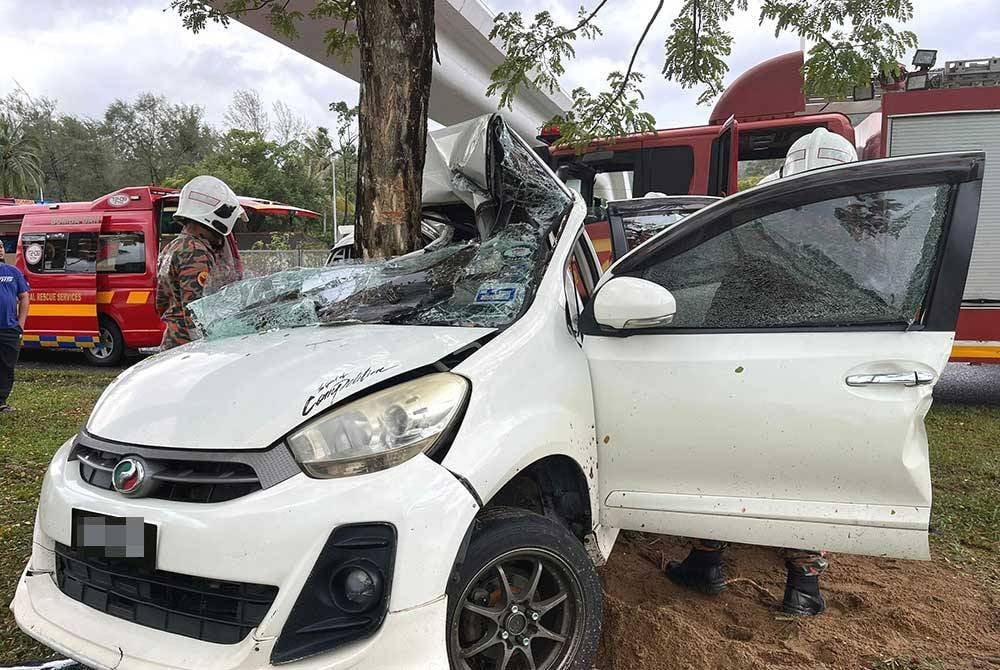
<point>187,475</point>
<point>211,610</point>
<point>186,481</point>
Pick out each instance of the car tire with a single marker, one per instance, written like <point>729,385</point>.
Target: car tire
<point>110,352</point>
<point>526,585</point>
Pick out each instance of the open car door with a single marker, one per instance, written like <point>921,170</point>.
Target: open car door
<point>723,172</point>
<point>60,257</point>
<point>784,403</point>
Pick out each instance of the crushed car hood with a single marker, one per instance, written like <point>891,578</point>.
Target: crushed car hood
<point>247,392</point>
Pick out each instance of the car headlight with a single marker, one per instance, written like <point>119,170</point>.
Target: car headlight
<point>380,430</point>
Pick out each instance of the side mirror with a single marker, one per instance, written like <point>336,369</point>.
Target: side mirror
<point>630,302</point>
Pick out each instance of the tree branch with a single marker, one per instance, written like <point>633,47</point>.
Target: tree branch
<point>585,21</point>
<point>697,32</point>
<point>828,42</point>
<point>239,12</point>
<point>631,65</point>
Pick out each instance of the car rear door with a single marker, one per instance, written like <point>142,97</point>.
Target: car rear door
<point>784,405</point>
<point>126,275</point>
<point>59,254</point>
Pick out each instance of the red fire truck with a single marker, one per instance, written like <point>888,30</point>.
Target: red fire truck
<point>764,111</point>
<point>92,267</point>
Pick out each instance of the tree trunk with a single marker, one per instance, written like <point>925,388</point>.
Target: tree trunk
<point>396,44</point>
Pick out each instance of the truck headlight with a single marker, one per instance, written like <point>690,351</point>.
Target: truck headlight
<point>381,430</point>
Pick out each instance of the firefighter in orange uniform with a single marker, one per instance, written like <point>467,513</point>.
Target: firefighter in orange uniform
<point>199,259</point>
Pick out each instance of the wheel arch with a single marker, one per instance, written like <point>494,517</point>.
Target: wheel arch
<point>554,486</point>
<point>113,314</point>
<point>105,317</point>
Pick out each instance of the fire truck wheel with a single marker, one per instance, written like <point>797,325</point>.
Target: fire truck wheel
<point>111,349</point>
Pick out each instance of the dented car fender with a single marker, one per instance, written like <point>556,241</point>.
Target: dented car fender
<point>516,419</point>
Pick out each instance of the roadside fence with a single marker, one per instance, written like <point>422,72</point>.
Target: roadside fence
<point>260,262</point>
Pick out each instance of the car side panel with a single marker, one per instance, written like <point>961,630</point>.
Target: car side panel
<point>531,395</point>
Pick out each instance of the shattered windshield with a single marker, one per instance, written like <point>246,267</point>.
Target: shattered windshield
<point>503,206</point>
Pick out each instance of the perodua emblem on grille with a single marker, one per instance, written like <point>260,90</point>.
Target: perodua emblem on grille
<point>129,476</point>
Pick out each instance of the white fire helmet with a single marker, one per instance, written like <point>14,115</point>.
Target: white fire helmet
<point>818,149</point>
<point>209,201</point>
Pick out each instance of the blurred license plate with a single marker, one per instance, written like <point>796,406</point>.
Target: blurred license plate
<point>114,537</point>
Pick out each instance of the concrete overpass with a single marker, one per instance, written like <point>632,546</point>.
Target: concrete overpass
<point>458,91</point>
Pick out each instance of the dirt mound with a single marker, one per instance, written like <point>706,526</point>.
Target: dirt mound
<point>881,613</point>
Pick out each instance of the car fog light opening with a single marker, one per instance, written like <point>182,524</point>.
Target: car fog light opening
<point>346,597</point>
<point>381,430</point>
<point>357,588</point>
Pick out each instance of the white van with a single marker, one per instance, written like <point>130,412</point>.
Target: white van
<point>417,463</point>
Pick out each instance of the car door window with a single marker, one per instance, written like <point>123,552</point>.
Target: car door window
<point>581,277</point>
<point>74,253</point>
<point>602,177</point>
<point>612,185</point>
<point>667,169</point>
<point>865,259</point>
<point>582,270</point>
<point>640,227</point>
<point>575,184</point>
<point>633,222</point>
<point>8,244</point>
<point>122,253</point>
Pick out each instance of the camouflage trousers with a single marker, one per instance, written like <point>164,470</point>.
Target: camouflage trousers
<point>805,562</point>
<point>177,333</point>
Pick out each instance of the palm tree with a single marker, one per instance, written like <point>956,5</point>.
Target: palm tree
<point>20,165</point>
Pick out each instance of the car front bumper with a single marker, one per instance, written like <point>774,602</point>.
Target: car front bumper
<point>413,638</point>
<point>270,537</point>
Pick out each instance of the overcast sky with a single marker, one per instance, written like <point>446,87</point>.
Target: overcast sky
<point>87,54</point>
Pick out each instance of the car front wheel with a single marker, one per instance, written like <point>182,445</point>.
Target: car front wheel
<point>527,597</point>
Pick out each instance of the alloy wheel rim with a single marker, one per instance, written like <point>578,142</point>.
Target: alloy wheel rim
<point>522,611</point>
<point>106,345</point>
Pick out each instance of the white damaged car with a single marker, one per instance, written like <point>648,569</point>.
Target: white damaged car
<point>417,463</point>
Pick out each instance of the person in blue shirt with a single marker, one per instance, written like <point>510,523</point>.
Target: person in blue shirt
<point>13,315</point>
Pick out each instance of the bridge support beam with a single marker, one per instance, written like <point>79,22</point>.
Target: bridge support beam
<point>458,90</point>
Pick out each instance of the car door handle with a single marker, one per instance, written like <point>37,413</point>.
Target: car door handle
<point>914,378</point>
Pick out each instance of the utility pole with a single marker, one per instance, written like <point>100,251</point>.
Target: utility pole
<point>333,175</point>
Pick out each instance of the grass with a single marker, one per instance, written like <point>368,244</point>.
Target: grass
<point>965,471</point>
<point>53,402</point>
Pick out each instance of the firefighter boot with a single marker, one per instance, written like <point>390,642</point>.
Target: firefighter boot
<point>701,570</point>
<point>802,596</point>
